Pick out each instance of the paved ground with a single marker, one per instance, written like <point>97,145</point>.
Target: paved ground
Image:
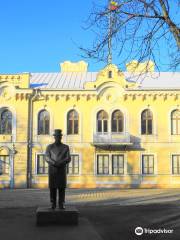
<point>112,213</point>
<point>91,197</point>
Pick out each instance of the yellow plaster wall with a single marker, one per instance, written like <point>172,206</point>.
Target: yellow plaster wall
<point>107,94</point>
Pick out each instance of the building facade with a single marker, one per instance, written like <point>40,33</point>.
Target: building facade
<point>123,128</point>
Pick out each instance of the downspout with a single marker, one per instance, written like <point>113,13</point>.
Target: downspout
<point>30,138</point>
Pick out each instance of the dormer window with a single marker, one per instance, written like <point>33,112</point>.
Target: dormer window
<point>110,74</point>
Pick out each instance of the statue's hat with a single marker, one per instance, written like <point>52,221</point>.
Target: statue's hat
<point>57,132</point>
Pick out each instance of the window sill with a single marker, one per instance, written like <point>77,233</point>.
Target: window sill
<point>149,175</point>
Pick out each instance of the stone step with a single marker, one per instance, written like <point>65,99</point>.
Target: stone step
<point>48,216</point>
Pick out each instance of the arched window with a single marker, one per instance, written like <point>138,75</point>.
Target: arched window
<point>146,122</point>
<point>5,122</point>
<point>102,121</point>
<point>175,122</point>
<point>43,122</point>
<point>117,121</point>
<point>72,122</point>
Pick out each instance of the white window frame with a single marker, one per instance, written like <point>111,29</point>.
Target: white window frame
<point>154,123</point>
<point>36,169</point>
<point>110,164</point>
<point>171,165</point>
<point>155,164</point>
<point>79,155</point>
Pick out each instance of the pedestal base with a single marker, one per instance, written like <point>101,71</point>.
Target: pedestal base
<point>47,216</point>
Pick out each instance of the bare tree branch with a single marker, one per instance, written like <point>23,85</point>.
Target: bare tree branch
<point>138,28</point>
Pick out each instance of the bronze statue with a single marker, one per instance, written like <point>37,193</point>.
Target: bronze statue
<point>57,157</point>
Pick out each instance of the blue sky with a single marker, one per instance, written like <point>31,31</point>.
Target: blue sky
<point>37,35</point>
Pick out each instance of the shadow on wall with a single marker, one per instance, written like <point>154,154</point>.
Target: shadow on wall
<point>133,179</point>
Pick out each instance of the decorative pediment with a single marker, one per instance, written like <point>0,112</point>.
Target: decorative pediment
<point>110,74</point>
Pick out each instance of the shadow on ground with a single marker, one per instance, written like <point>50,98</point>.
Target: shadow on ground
<point>110,222</point>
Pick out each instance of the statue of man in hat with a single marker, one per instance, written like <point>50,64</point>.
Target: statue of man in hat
<point>57,157</point>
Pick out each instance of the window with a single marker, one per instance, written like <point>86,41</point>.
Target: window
<point>108,164</point>
<point>72,122</point>
<point>42,165</point>
<point>117,121</point>
<point>110,74</point>
<point>4,164</point>
<point>73,166</point>
<point>175,164</point>
<point>43,122</point>
<point>175,122</point>
<point>5,122</point>
<point>103,164</point>
<point>147,164</point>
<point>146,122</point>
<point>117,164</point>
<point>102,121</point>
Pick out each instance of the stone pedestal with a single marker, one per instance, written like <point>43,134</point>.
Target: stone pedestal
<point>47,216</point>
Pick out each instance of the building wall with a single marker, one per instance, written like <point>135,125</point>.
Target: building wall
<point>109,95</point>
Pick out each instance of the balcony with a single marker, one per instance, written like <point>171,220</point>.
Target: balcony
<point>111,138</point>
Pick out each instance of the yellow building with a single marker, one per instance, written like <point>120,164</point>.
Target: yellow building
<point>123,128</point>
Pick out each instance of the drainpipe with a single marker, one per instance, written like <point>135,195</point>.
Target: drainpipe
<point>30,137</point>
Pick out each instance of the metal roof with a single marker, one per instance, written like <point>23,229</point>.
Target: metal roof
<point>76,80</point>
<point>64,80</point>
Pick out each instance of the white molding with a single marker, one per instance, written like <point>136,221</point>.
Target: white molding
<point>155,164</point>
<point>149,182</point>
<point>80,164</point>
<point>69,181</point>
<point>35,122</point>
<point>171,172</point>
<point>175,107</point>
<point>80,125</point>
<point>4,182</point>
<point>125,116</point>
<point>154,123</point>
<point>111,182</point>
<point>35,170</point>
<point>14,120</point>
<point>110,164</point>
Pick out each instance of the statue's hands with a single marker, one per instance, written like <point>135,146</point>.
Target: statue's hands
<point>60,163</point>
<point>50,161</point>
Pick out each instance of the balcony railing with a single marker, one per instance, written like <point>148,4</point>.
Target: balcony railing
<point>112,138</point>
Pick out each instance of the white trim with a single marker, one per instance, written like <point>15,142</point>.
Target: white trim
<point>171,169</point>
<point>14,120</point>
<point>110,83</point>
<point>169,122</point>
<point>80,125</point>
<point>35,181</point>
<point>149,182</point>
<point>110,164</point>
<point>154,123</point>
<point>111,182</point>
<point>125,116</point>
<point>35,121</point>
<point>155,164</point>
<point>71,182</point>
<point>80,165</point>
<point>94,119</point>
<point>5,182</point>
<point>35,170</point>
